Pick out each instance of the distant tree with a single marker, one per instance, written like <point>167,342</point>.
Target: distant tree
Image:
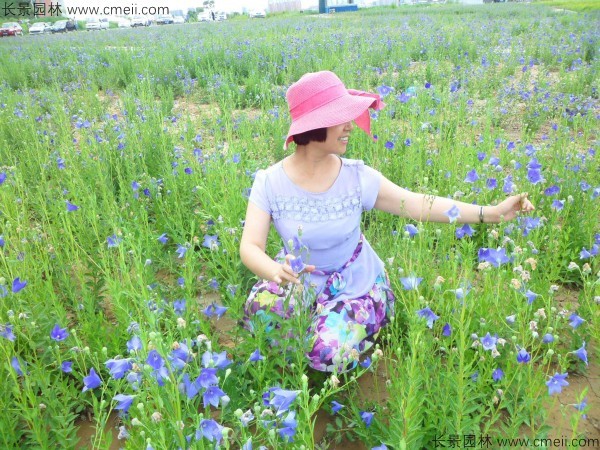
<point>210,4</point>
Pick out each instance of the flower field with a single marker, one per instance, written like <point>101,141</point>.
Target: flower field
<point>126,159</point>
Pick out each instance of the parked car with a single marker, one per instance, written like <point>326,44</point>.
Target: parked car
<point>220,16</point>
<point>96,24</point>
<point>140,21</point>
<point>257,14</point>
<point>72,25</point>
<point>40,28</point>
<point>164,19</point>
<point>205,17</point>
<point>11,29</point>
<point>178,19</point>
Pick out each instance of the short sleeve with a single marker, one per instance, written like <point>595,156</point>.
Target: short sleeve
<point>370,180</point>
<point>258,193</point>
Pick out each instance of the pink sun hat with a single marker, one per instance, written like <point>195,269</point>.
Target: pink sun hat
<point>320,100</point>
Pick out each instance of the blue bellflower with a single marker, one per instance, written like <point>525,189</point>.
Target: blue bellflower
<point>92,381</point>
<point>428,314</point>
<point>58,334</point>
<point>557,382</point>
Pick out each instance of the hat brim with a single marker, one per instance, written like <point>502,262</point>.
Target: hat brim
<point>338,111</point>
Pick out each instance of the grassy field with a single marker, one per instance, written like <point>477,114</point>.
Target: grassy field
<point>125,162</point>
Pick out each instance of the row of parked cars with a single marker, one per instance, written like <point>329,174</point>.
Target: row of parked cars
<point>62,26</point>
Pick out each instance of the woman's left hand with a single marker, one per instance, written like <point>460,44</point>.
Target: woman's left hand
<point>512,206</point>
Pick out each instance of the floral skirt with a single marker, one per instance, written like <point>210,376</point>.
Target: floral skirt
<point>340,331</point>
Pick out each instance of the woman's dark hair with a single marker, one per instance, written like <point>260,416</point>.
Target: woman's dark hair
<point>317,135</point>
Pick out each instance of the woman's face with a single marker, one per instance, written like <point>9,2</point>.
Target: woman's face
<point>337,138</point>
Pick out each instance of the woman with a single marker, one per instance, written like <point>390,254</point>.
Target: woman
<point>315,199</point>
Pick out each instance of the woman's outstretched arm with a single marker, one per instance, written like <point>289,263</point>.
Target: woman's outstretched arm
<point>429,208</point>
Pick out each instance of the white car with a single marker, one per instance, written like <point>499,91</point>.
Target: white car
<point>140,21</point>
<point>178,19</point>
<point>96,24</point>
<point>257,14</point>
<point>40,28</point>
<point>164,19</point>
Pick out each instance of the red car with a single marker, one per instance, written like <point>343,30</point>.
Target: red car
<point>11,29</point>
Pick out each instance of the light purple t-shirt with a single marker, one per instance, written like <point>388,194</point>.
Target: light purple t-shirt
<point>330,221</point>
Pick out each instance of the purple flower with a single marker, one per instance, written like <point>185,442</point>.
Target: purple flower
<point>209,429</point>
<point>523,357</point>
<point>575,320</point>
<point>288,428</point>
<point>297,264</point>
<point>497,374</point>
<point>215,310</point>
<point>282,399</point>
<point>211,241</point>
<point>463,231</point>
<point>218,360</point>
<point>181,250</point>
<point>581,406</point>
<point>491,183</point>
<point>113,241</point>
<point>134,344</point>
<point>531,296</point>
<point>191,389</point>
<point>411,230</point>
<point>511,319</point>
<point>446,330</point>
<point>389,145</point>
<point>585,254</point>
<point>367,417</point>
<point>472,176</point>
<point>508,185</point>
<point>410,283</point>
<point>529,223</point>
<point>163,238</point>
<point>92,381</point>
<point>18,285</point>
<point>207,377</point>
<point>212,396</point>
<point>428,314</point>
<point>16,365</point>
<point>2,241</point>
<point>6,331</point>
<point>552,190</point>
<point>488,342</point>
<point>59,334</point>
<point>66,367</point>
<point>548,338</point>
<point>384,90</point>
<point>124,402</point>
<point>2,177</point>
<point>179,306</point>
<point>557,382</point>
<point>380,447</point>
<point>366,363</point>
<point>534,176</point>
<point>494,257</point>
<point>154,360</point>
<point>453,213</point>
<point>558,205</point>
<point>335,407</point>
<point>71,207</point>
<point>118,367</point>
<point>256,356</point>
<point>581,353</point>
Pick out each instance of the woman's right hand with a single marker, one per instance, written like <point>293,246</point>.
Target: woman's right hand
<point>285,273</point>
